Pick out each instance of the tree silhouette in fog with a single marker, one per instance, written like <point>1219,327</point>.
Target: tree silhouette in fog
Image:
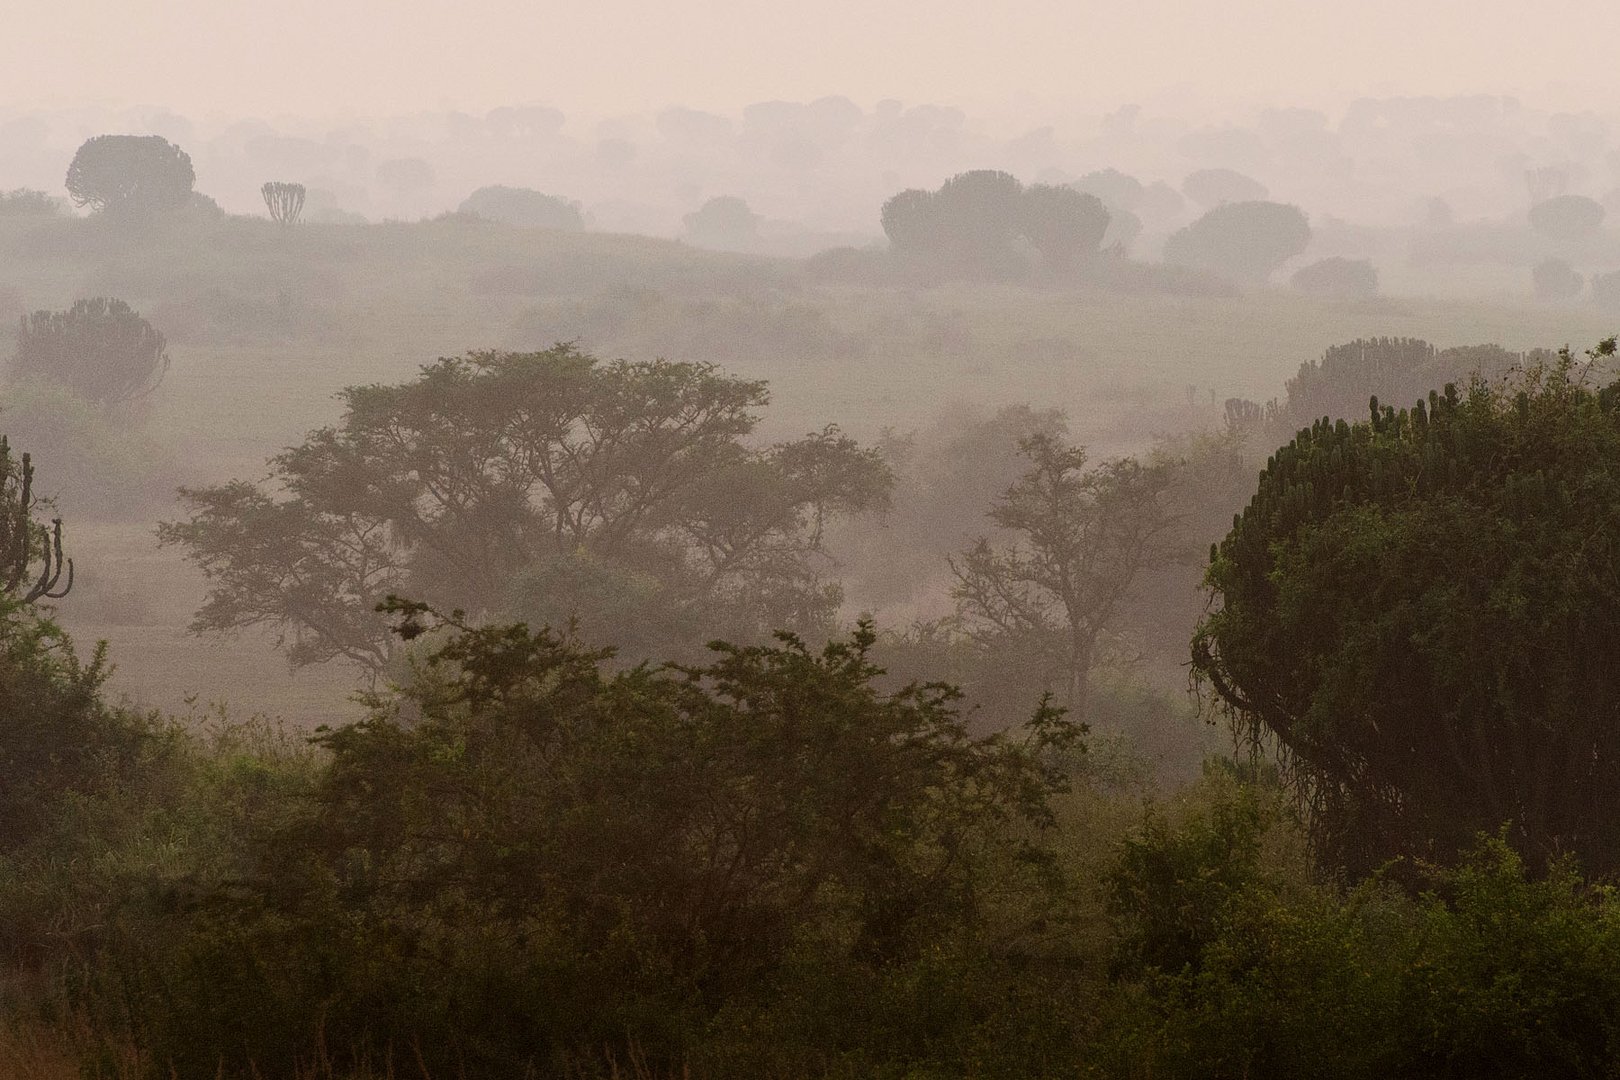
<point>130,174</point>
<point>533,480</point>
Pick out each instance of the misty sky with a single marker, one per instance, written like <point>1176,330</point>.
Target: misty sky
<point>335,57</point>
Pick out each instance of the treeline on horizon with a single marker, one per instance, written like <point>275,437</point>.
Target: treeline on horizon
<point>1215,232</point>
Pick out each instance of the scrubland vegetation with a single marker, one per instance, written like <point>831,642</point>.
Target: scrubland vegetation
<point>531,651</point>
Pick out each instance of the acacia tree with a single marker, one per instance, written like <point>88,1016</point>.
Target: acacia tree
<point>1419,613</point>
<point>459,485</point>
<point>100,348</point>
<point>130,174</point>
<point>285,201</point>
<point>1080,538</point>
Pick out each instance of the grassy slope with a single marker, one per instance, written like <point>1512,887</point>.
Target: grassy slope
<point>266,324</point>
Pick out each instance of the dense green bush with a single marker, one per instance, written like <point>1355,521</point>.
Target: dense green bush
<point>1413,611</point>
<point>524,858</point>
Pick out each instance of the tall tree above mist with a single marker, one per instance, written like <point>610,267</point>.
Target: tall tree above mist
<point>130,174</point>
<point>533,482</point>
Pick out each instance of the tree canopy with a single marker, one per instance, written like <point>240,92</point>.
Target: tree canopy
<point>100,348</point>
<point>523,207</point>
<point>634,478</point>
<point>130,174</point>
<point>1567,217</point>
<point>1418,609</point>
<point>976,223</point>
<point>1244,241</point>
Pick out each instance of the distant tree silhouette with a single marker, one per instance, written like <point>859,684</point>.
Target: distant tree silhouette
<point>285,201</point>
<point>1606,290</point>
<point>1555,279</point>
<point>523,207</point>
<point>1245,241</point>
<point>99,348</point>
<point>982,223</point>
<point>1210,188</point>
<point>130,174</point>
<point>724,221</point>
<point>1567,217</point>
<point>26,202</point>
<point>1354,279</point>
<point>26,543</point>
<point>1117,190</point>
<point>1063,224</point>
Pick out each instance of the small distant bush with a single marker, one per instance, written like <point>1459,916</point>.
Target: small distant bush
<point>100,348</point>
<point>723,222</point>
<point>1606,290</point>
<point>850,265</point>
<point>1210,188</point>
<point>1568,217</point>
<point>1555,279</point>
<point>1245,241</point>
<point>523,207</point>
<point>986,224</point>
<point>1349,279</point>
<point>27,202</point>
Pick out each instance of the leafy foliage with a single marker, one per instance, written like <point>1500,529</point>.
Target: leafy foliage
<point>491,465</point>
<point>1081,537</point>
<point>1414,609</point>
<point>1393,369</point>
<point>610,857</point>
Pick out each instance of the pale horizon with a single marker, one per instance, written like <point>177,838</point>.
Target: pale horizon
<point>305,59</point>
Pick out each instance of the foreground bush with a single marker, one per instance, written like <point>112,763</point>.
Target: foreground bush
<point>525,858</point>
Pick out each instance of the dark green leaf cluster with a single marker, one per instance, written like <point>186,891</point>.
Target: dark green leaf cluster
<point>1230,967</point>
<point>1417,610</point>
<point>526,856</point>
